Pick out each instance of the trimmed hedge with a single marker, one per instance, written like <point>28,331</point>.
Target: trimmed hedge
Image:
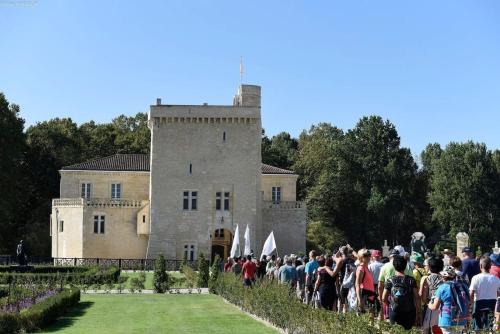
<point>43,269</point>
<point>39,315</point>
<point>92,275</point>
<point>279,305</point>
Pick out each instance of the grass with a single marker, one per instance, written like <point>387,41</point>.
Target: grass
<point>156,314</point>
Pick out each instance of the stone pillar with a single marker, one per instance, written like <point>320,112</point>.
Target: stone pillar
<point>462,241</point>
<point>496,250</point>
<point>385,249</point>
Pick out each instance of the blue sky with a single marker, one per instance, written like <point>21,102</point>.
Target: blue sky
<point>430,67</point>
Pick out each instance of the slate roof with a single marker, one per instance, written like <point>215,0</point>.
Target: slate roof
<point>117,163</point>
<point>140,163</point>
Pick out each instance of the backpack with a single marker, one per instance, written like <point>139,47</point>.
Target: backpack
<point>402,295</point>
<point>349,277</point>
<point>459,301</point>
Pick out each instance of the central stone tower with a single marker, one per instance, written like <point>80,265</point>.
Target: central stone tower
<point>205,175</point>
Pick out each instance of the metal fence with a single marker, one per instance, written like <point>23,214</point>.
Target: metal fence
<point>123,264</point>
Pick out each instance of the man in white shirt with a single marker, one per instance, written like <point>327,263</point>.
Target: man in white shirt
<point>484,289</point>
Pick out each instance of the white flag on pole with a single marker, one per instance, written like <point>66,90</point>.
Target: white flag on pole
<point>247,242</point>
<point>269,245</point>
<point>236,242</point>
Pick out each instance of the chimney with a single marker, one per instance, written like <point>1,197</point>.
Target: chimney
<point>158,101</point>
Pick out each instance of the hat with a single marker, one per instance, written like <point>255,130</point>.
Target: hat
<point>417,258</point>
<point>448,271</point>
<point>393,252</point>
<point>495,258</point>
<point>376,253</point>
<point>466,250</point>
<point>400,249</point>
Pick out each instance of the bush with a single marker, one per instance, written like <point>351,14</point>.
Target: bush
<point>203,271</point>
<point>39,315</point>
<point>92,275</point>
<point>278,304</point>
<point>160,275</point>
<point>214,274</point>
<point>44,269</point>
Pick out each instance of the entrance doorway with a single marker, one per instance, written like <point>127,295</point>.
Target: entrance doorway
<point>221,243</point>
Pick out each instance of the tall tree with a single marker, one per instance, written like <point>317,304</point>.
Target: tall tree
<point>280,150</point>
<point>12,147</point>
<point>465,193</point>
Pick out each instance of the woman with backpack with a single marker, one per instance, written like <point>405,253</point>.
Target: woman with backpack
<point>404,308</point>
<point>452,301</point>
<point>428,288</point>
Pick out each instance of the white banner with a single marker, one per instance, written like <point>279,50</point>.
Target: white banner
<point>236,242</point>
<point>247,250</point>
<point>269,245</point>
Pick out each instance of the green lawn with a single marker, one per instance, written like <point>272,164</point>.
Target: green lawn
<point>156,314</point>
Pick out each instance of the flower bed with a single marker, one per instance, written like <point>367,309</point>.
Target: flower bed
<point>36,316</point>
<point>278,305</point>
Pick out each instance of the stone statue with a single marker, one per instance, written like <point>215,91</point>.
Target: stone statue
<point>21,254</point>
<point>417,243</point>
<point>462,241</point>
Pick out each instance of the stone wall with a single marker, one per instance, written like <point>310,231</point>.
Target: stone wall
<point>207,149</point>
<point>135,185</point>
<point>288,221</point>
<point>288,184</point>
<point>67,243</point>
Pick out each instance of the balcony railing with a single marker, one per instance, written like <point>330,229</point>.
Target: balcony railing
<point>98,202</point>
<point>284,205</point>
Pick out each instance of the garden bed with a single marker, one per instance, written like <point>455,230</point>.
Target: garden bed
<point>36,311</point>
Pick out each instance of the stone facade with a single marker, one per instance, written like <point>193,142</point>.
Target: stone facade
<point>203,177</point>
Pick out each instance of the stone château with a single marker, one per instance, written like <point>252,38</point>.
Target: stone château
<point>203,177</point>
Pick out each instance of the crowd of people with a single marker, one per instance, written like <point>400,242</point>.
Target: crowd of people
<point>438,293</point>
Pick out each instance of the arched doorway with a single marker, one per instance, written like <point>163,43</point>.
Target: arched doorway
<point>221,243</point>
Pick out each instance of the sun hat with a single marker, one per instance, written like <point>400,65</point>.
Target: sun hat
<point>417,258</point>
<point>376,253</point>
<point>448,271</point>
<point>401,250</point>
<point>447,251</point>
<point>495,259</point>
<point>393,252</point>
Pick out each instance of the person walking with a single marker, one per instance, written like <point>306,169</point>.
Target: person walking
<point>301,278</point>
<point>404,303</point>
<point>375,267</point>
<point>470,266</point>
<point>451,302</point>
<point>249,269</point>
<point>287,274</point>
<point>484,290</point>
<point>365,288</point>
<point>325,284</point>
<point>428,288</point>
<point>310,271</point>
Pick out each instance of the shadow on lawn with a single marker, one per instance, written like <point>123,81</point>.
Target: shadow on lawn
<point>69,318</point>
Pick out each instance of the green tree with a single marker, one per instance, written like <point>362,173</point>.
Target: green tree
<point>203,271</point>
<point>214,273</point>
<point>280,150</point>
<point>160,278</point>
<point>12,149</point>
<point>465,191</point>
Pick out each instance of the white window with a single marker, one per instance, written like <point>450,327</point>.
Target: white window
<point>189,252</point>
<point>116,190</point>
<point>61,226</point>
<point>189,200</point>
<point>276,194</point>
<point>86,190</point>
<point>99,224</point>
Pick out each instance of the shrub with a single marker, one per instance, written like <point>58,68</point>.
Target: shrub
<point>277,304</point>
<point>203,271</point>
<point>92,274</point>
<point>39,315</point>
<point>160,275</point>
<point>214,274</point>
<point>191,277</point>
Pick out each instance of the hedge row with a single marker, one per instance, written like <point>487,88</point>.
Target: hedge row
<point>39,315</point>
<point>43,269</point>
<point>279,305</point>
<point>91,276</point>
